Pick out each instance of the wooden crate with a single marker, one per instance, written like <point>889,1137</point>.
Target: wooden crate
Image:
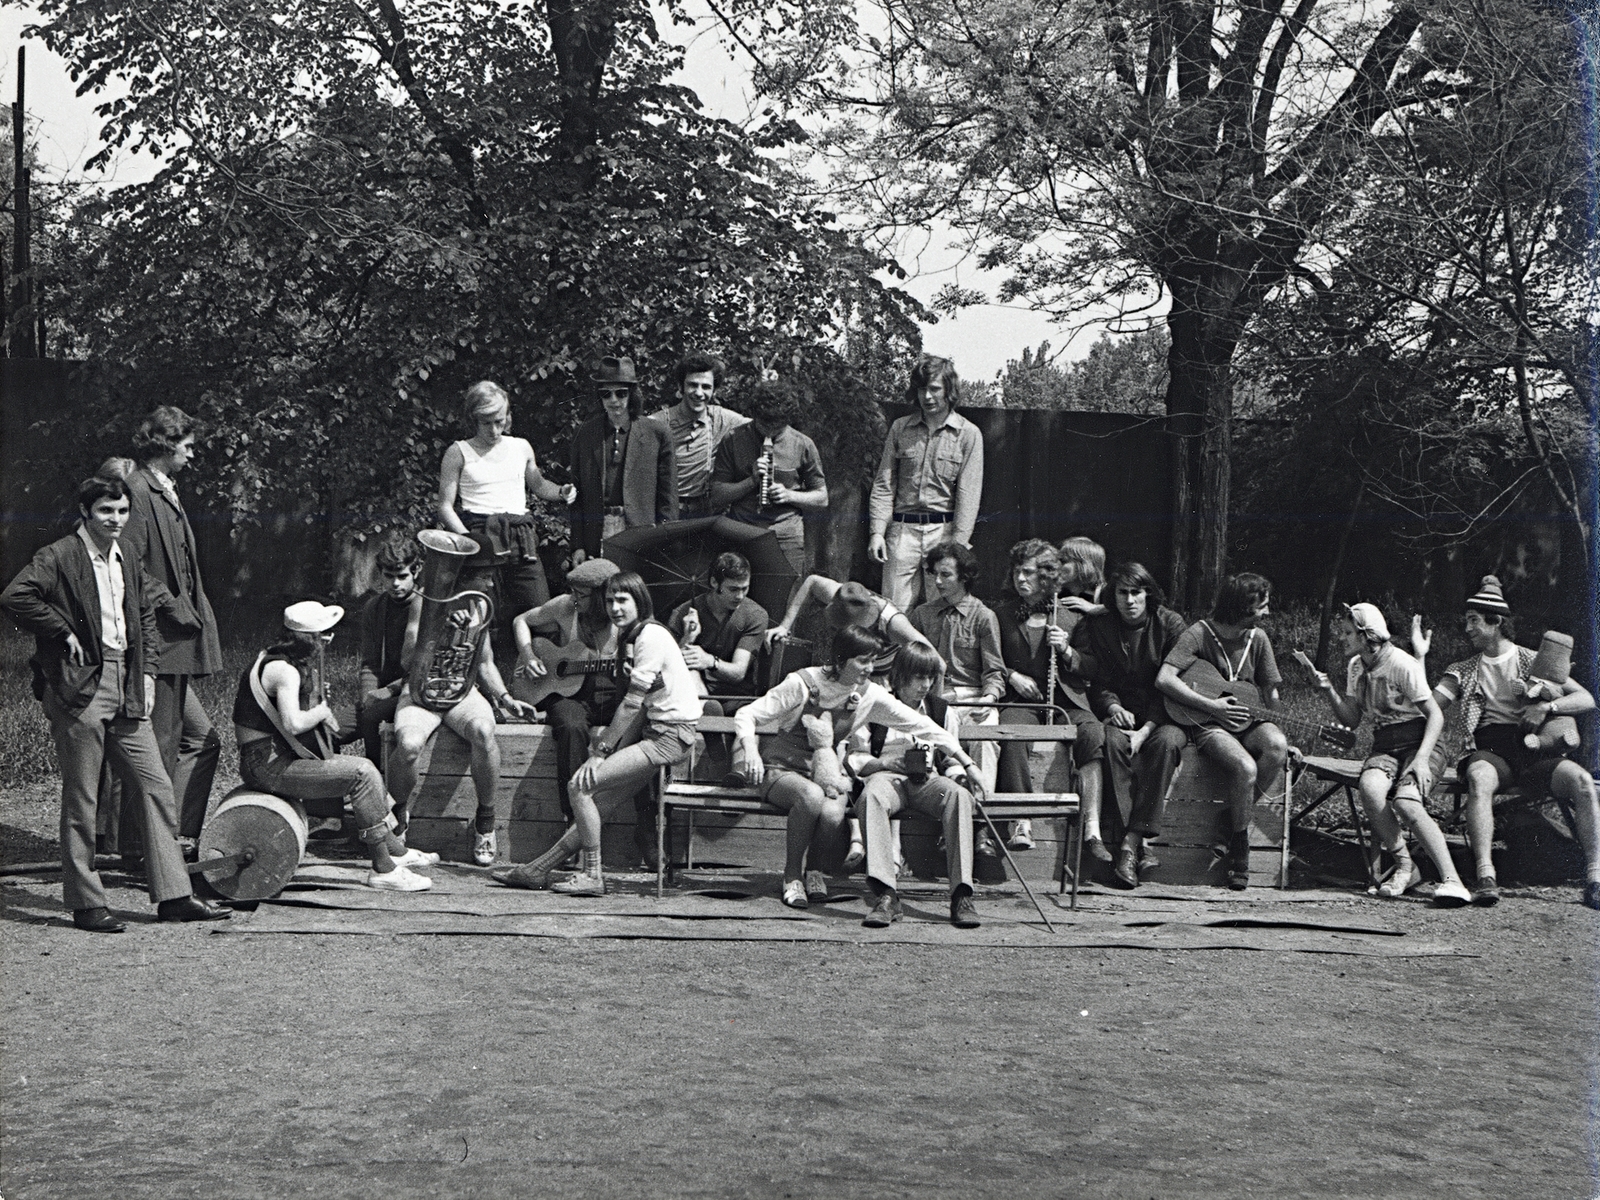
<point>1196,830</point>
<point>529,817</point>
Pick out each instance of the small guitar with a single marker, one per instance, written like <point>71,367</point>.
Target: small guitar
<point>1212,684</point>
<point>566,667</point>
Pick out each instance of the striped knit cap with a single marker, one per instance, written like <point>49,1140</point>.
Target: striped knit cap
<point>1489,598</point>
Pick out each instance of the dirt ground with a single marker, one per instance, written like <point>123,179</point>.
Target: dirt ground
<point>172,1062</point>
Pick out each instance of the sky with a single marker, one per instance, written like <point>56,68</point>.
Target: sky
<point>980,339</point>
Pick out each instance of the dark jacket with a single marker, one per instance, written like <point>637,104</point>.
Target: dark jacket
<point>1035,663</point>
<point>160,537</point>
<point>383,629</point>
<point>649,479</point>
<point>1118,677</point>
<point>55,595</point>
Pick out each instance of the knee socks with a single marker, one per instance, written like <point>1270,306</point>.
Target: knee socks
<point>558,854</point>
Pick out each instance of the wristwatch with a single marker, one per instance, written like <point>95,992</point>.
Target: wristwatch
<point>603,750</point>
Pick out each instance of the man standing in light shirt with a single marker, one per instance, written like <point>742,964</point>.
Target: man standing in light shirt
<point>929,482</point>
<point>94,667</point>
<point>696,428</point>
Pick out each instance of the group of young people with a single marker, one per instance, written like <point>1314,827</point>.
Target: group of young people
<point>886,725</point>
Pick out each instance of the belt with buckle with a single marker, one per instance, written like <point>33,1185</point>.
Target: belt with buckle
<point>925,518</point>
<point>615,510</point>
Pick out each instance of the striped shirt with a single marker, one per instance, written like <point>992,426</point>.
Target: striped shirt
<point>695,438</point>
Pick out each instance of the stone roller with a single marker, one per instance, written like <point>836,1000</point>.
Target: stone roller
<point>252,845</point>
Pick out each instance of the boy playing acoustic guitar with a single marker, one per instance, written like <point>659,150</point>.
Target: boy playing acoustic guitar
<point>1388,683</point>
<point>1250,750</point>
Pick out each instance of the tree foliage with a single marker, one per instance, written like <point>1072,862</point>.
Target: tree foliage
<point>1127,152</point>
<point>1440,359</point>
<point>367,205</point>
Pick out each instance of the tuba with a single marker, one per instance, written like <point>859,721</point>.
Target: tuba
<point>452,627</point>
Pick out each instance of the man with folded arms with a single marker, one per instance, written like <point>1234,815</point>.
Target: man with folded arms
<point>94,667</point>
<point>694,428</point>
<point>928,485</point>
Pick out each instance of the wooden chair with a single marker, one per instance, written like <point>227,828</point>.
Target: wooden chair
<point>1017,806</point>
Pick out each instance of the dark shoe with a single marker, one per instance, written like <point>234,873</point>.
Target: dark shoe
<point>963,913</point>
<point>187,908</point>
<point>1591,894</point>
<point>885,912</point>
<point>1126,873</point>
<point>1486,892</point>
<point>523,875</point>
<point>1239,861</point>
<point>1095,848</point>
<point>97,920</point>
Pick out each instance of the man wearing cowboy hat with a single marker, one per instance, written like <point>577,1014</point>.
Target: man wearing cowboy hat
<point>284,730</point>
<point>97,653</point>
<point>696,427</point>
<point>623,467</point>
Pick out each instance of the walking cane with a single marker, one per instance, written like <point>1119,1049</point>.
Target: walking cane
<point>1006,850</point>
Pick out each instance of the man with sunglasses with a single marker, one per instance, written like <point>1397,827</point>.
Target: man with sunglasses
<point>624,467</point>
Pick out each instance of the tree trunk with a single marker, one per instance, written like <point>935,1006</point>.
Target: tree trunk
<point>1333,573</point>
<point>1200,422</point>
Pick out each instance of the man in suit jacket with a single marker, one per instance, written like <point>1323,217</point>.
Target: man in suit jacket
<point>160,537</point>
<point>97,648</point>
<point>624,467</point>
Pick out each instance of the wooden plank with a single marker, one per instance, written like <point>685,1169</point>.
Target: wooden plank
<point>1206,823</point>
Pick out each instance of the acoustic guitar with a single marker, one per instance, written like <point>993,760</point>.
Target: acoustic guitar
<point>566,667</point>
<point>1214,685</point>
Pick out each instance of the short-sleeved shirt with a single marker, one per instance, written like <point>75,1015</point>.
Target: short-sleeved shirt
<point>744,628</point>
<point>1470,682</point>
<point>656,657</point>
<point>795,464</point>
<point>1392,689</point>
<point>695,439</point>
<point>1250,659</point>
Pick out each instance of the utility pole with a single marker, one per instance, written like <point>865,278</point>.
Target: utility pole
<point>19,329</point>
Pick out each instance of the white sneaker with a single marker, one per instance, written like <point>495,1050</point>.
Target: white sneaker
<point>794,894</point>
<point>1021,836</point>
<point>1451,894</point>
<point>415,858</point>
<point>484,849</point>
<point>401,879</point>
<point>1406,876</point>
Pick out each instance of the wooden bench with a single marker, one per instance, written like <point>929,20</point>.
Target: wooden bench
<point>1344,774</point>
<point>701,796</point>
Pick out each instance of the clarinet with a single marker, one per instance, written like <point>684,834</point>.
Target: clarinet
<point>764,475</point>
<point>1055,668</point>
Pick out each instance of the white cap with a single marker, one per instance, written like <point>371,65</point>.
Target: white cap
<point>310,617</point>
<point>1368,620</point>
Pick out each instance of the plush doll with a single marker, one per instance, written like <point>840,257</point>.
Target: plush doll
<point>1558,734</point>
<point>826,771</point>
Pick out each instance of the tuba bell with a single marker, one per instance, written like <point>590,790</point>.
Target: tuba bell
<point>452,627</point>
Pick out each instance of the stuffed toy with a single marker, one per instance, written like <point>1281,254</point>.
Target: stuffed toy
<point>1558,734</point>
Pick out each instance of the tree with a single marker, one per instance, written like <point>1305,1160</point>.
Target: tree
<point>1442,353</point>
<point>1116,151</point>
<point>366,206</point>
